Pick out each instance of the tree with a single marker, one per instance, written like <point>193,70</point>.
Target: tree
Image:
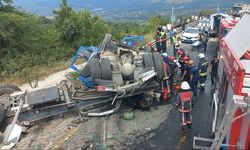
<point>5,2</point>
<point>206,12</point>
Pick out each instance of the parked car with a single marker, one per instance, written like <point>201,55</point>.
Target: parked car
<point>190,35</point>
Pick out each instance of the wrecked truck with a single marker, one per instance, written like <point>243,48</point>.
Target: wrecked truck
<point>111,73</point>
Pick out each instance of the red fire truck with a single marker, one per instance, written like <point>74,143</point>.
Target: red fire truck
<point>226,26</point>
<point>231,123</point>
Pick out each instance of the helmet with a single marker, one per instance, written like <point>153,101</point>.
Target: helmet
<point>179,52</point>
<point>201,55</point>
<point>171,58</point>
<point>185,85</point>
<point>190,62</point>
<point>165,55</point>
<point>174,30</point>
<point>185,58</point>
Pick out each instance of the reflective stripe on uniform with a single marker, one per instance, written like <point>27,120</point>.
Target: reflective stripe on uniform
<point>203,74</point>
<point>183,111</point>
<point>202,84</point>
<point>204,64</point>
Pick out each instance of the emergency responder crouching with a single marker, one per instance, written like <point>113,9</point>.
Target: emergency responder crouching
<point>203,66</point>
<point>184,104</point>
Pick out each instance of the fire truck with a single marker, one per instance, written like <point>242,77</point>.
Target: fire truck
<point>226,26</point>
<point>231,99</point>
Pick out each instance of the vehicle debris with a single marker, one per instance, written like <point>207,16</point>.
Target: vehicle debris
<point>112,72</point>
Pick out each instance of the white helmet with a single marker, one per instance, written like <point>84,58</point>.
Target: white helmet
<point>185,85</point>
<point>201,55</point>
<point>165,54</point>
<point>174,30</point>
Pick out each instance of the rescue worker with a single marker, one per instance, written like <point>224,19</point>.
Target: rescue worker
<point>184,105</point>
<point>174,40</point>
<point>203,66</point>
<point>194,77</point>
<point>179,53</point>
<point>165,82</point>
<point>163,41</point>
<point>165,58</point>
<point>158,38</point>
<point>185,69</point>
<point>213,69</point>
<point>173,67</point>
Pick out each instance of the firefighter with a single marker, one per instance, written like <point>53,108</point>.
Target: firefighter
<point>165,57</point>
<point>165,82</point>
<point>185,69</point>
<point>173,67</point>
<point>213,69</point>
<point>203,66</point>
<point>163,41</point>
<point>158,38</point>
<point>193,78</point>
<point>174,41</point>
<point>184,105</point>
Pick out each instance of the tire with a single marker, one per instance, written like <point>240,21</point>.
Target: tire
<point>2,115</point>
<point>95,69</point>
<point>147,49</point>
<point>8,89</point>
<point>106,41</point>
<point>106,69</point>
<point>148,60</point>
<point>111,46</point>
<point>104,82</point>
<point>158,64</point>
<point>85,71</point>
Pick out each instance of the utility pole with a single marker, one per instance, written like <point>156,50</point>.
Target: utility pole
<point>172,16</point>
<point>218,6</point>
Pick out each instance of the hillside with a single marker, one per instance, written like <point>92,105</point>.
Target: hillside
<point>124,10</point>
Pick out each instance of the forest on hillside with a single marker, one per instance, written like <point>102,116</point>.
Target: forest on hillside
<point>30,44</point>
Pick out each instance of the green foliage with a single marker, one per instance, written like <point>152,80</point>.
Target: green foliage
<point>29,41</point>
<point>155,21</point>
<point>206,12</point>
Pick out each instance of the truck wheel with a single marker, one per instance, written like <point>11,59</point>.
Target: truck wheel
<point>158,64</point>
<point>8,89</point>
<point>85,71</point>
<point>148,60</point>
<point>95,69</point>
<point>5,91</point>
<point>2,115</point>
<point>106,69</point>
<point>106,41</point>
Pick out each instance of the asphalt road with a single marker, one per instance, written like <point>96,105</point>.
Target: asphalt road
<point>169,136</point>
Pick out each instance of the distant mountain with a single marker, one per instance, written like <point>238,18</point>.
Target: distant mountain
<point>125,10</point>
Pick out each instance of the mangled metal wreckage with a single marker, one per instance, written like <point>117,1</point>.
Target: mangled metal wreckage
<point>112,72</point>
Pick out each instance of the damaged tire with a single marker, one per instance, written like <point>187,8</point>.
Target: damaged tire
<point>158,64</point>
<point>148,60</point>
<point>106,69</point>
<point>85,71</point>
<point>108,44</point>
<point>95,69</point>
